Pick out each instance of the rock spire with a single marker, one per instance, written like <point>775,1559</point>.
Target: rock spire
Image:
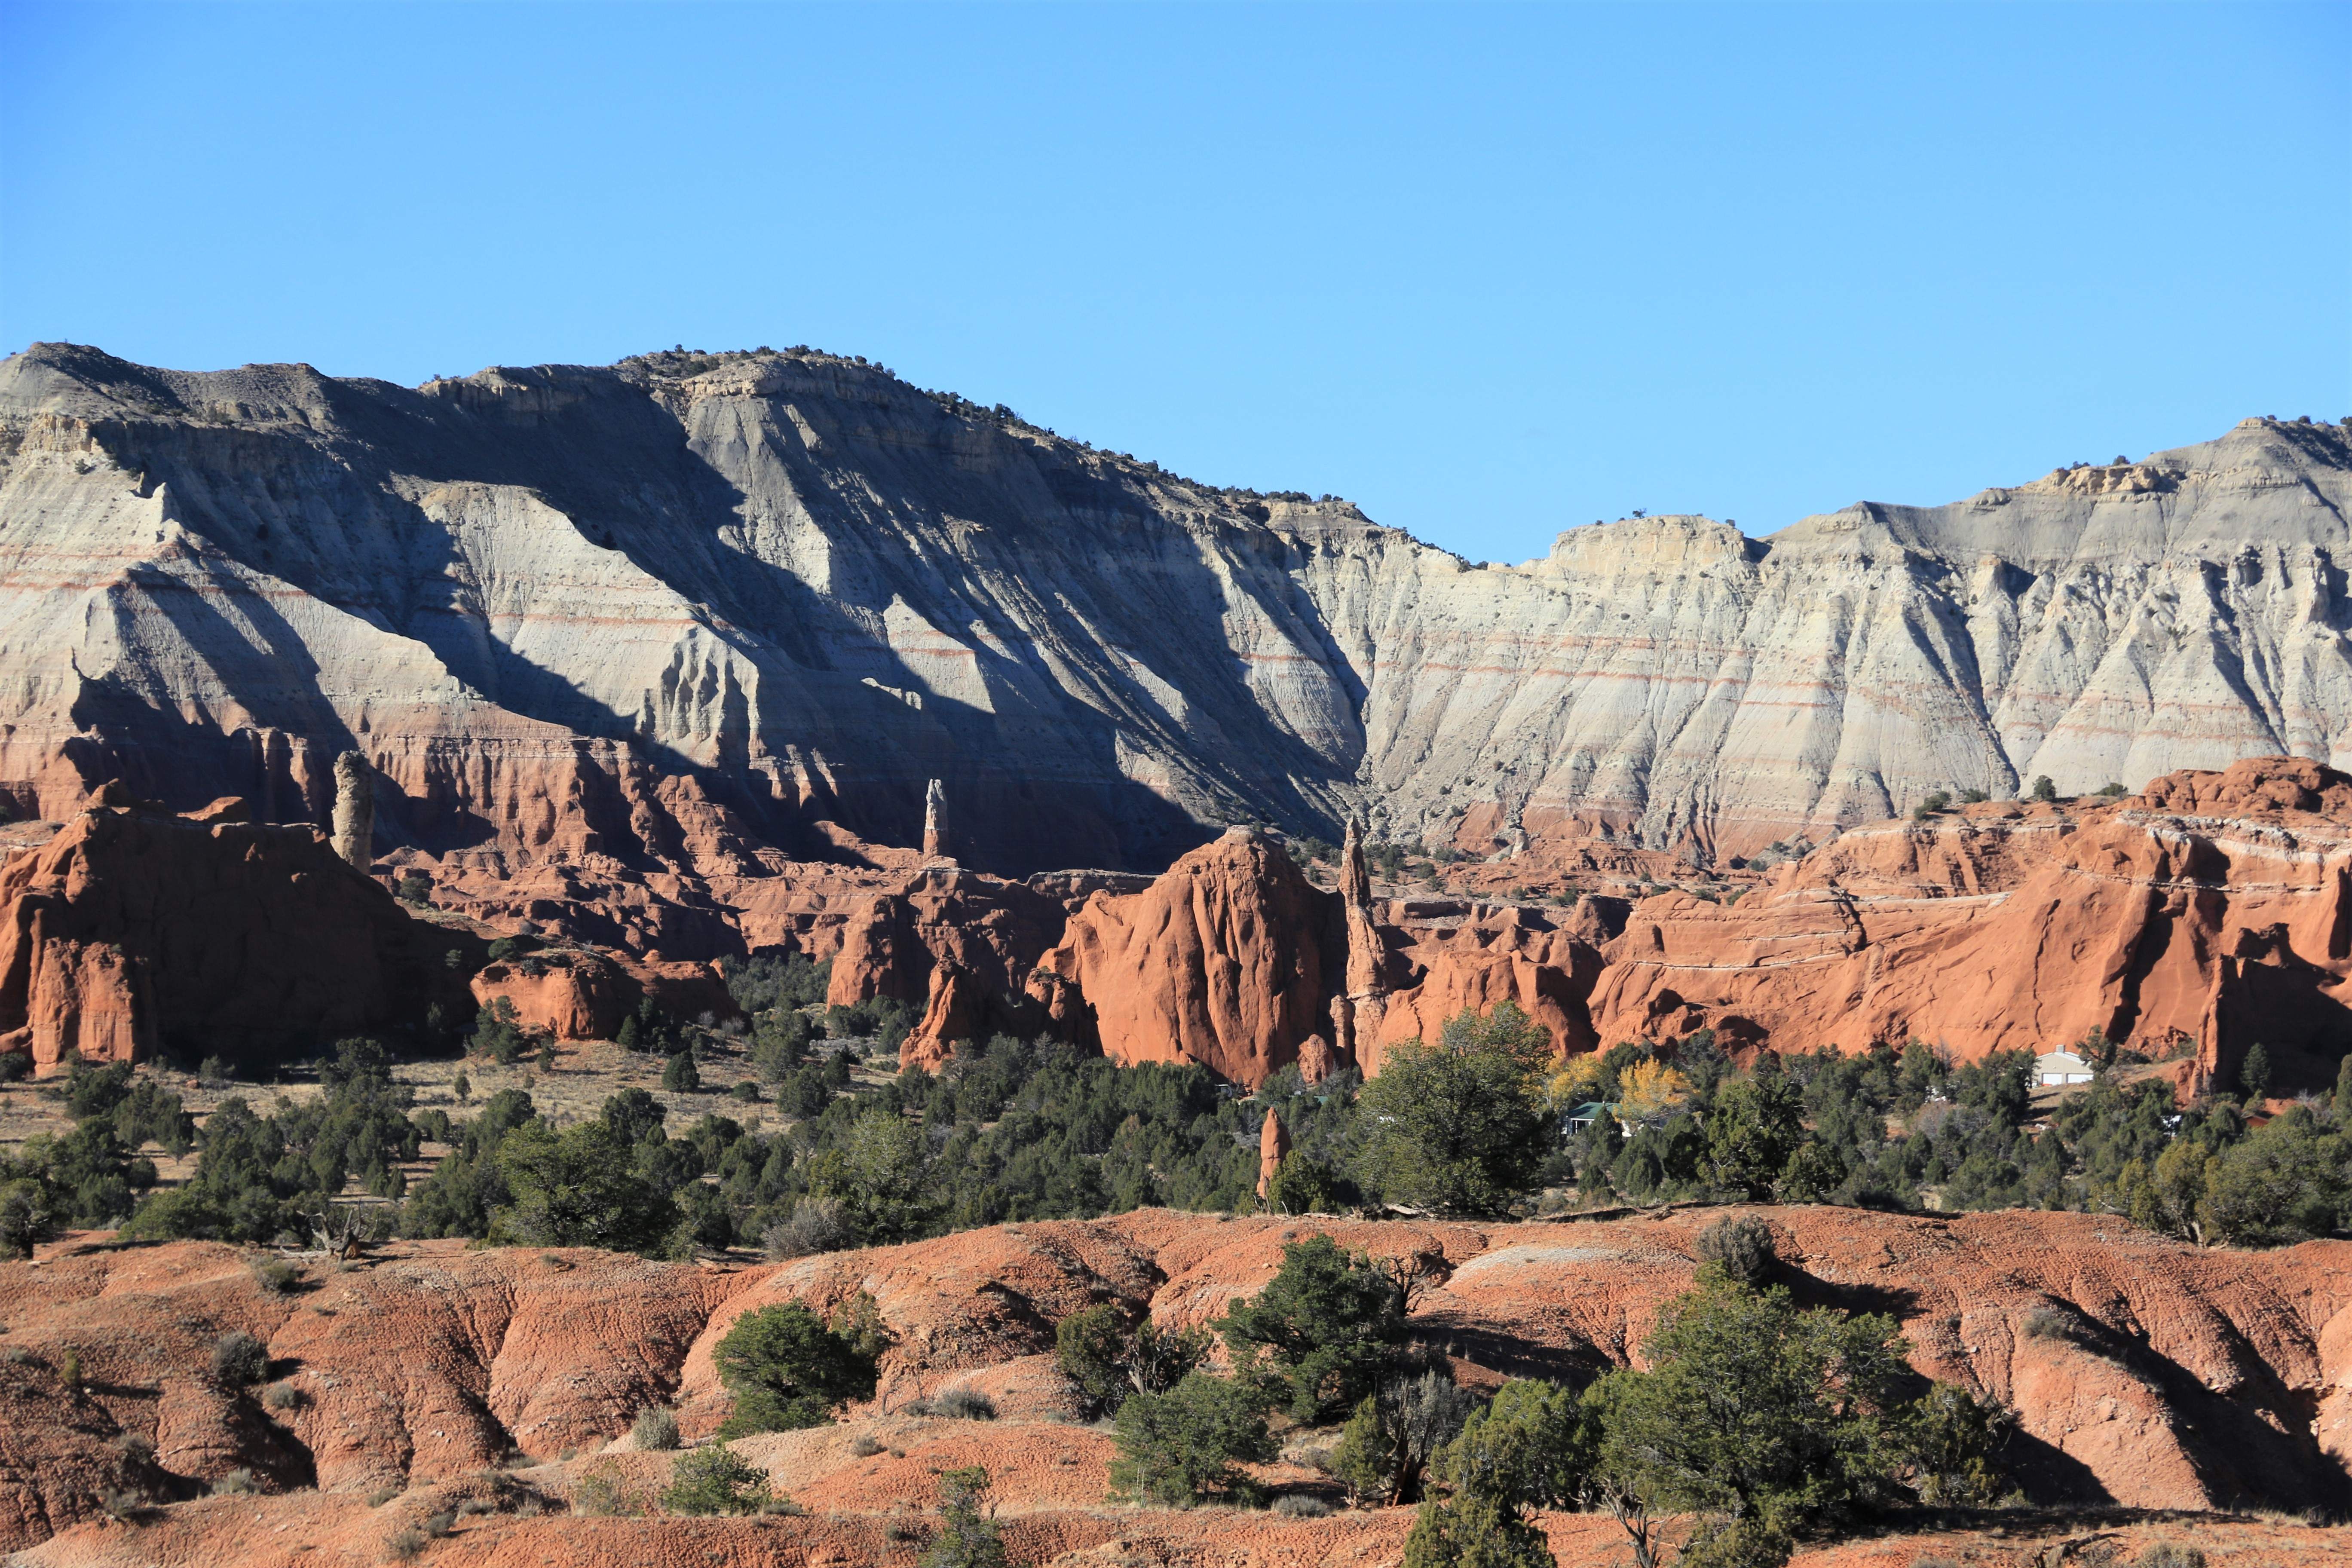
<point>935,821</point>
<point>1356,1010</point>
<point>354,811</point>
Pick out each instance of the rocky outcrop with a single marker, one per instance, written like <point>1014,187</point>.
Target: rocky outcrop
<point>666,624</point>
<point>1513,955</point>
<point>566,995</point>
<point>132,931</point>
<point>1225,961</point>
<point>2213,911</point>
<point>988,928</point>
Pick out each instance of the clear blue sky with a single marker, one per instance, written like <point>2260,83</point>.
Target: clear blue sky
<point>1487,272</point>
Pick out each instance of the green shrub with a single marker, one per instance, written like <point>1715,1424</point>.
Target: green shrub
<point>577,1188</point>
<point>497,1034</point>
<point>1304,1184</point>
<point>276,1276</point>
<point>1459,1127</point>
<point>1743,1248</point>
<point>1473,1531</point>
<point>1321,1331</point>
<point>240,1360</point>
<point>654,1430</point>
<point>1180,1448</point>
<point>24,1218</point>
<point>1949,1443</point>
<point>968,1535</point>
<point>1106,1358</point>
<point>1389,1442</point>
<point>716,1479</point>
<point>787,1369</point>
<point>878,1170</point>
<point>769,982</point>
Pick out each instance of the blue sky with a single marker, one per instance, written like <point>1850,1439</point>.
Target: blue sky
<point>1488,272</point>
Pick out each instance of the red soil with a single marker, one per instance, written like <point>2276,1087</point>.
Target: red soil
<point>2189,1379</point>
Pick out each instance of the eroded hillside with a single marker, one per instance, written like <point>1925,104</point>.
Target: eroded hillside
<point>2148,1375</point>
<point>672,623</point>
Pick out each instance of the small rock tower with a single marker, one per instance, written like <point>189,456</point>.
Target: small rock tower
<point>935,821</point>
<point>354,811</point>
<point>1356,1012</point>
<point>1273,1148</point>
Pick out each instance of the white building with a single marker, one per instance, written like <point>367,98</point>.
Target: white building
<point>2059,1068</point>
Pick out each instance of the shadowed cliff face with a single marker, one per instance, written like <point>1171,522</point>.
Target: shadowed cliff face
<point>663,618</point>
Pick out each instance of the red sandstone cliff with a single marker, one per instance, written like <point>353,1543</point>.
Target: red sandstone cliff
<point>2213,910</point>
<point>132,927</point>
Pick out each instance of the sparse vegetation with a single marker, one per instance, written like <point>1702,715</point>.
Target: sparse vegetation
<point>968,1534</point>
<point>654,1430</point>
<point>240,1360</point>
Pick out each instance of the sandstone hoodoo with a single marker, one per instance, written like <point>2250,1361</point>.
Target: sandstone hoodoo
<point>1224,961</point>
<point>354,812</point>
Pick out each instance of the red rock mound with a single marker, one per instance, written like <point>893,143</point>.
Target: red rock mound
<point>1228,960</point>
<point>131,926</point>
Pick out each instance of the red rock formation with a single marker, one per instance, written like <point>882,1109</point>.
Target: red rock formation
<point>2214,910</point>
<point>957,1009</point>
<point>1273,1146</point>
<point>567,995</point>
<point>130,928</point>
<point>993,929</point>
<point>1511,955</point>
<point>1224,961</point>
<point>1317,1060</point>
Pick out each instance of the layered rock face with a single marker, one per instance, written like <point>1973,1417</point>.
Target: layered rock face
<point>668,626</point>
<point>2209,914</point>
<point>133,929</point>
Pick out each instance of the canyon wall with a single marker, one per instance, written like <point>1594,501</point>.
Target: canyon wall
<point>672,627</point>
